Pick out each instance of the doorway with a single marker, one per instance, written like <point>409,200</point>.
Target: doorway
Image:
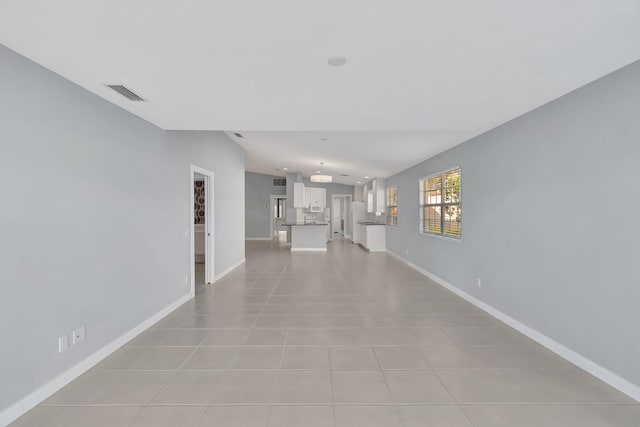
<point>278,218</point>
<point>202,226</point>
<point>340,214</point>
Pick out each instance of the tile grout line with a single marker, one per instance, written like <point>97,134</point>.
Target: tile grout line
<point>184,362</point>
<point>275,384</point>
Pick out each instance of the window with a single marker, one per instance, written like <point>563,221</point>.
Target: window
<point>392,206</point>
<point>440,204</point>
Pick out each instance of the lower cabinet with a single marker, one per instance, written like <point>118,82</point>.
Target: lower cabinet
<point>372,237</point>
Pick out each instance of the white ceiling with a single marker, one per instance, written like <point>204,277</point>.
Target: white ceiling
<point>357,154</point>
<point>445,70</point>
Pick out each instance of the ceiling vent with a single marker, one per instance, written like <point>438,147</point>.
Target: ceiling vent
<point>126,92</point>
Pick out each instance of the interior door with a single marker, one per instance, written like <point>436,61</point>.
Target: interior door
<point>335,217</point>
<point>209,247</point>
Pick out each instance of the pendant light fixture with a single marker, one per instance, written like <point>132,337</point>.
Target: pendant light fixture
<point>320,177</point>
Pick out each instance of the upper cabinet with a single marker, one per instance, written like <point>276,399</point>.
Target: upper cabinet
<point>309,197</point>
<point>370,205</point>
<point>380,195</point>
<point>376,196</point>
<point>299,195</point>
<point>316,197</point>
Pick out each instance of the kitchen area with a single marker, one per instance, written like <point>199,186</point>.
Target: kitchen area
<point>369,218</point>
<point>310,230</point>
<point>310,217</point>
<point>302,215</point>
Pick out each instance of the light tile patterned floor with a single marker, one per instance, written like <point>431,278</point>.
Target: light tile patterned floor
<point>344,339</point>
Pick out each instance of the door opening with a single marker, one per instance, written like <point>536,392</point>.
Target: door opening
<point>202,227</point>
<point>340,214</point>
<point>278,218</point>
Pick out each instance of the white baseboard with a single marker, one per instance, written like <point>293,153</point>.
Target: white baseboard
<point>228,270</point>
<point>308,249</point>
<point>258,238</point>
<point>614,380</point>
<point>18,409</point>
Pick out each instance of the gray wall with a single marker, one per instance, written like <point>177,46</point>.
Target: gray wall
<point>550,220</point>
<point>258,188</point>
<point>95,204</point>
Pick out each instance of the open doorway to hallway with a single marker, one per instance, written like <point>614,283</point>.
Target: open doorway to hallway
<point>202,226</point>
<point>340,216</point>
<point>278,218</point>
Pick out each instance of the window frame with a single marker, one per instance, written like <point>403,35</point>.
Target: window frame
<point>389,206</point>
<point>422,191</point>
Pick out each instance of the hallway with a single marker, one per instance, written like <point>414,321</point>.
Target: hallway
<point>344,339</point>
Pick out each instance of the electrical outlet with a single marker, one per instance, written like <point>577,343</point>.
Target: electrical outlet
<point>63,343</point>
<point>479,282</point>
<point>78,335</point>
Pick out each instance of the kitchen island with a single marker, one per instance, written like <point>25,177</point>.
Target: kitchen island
<point>309,237</point>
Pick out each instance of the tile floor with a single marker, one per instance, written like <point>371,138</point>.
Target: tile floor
<point>344,339</point>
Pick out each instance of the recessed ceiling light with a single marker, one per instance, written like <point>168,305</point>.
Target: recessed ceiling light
<point>337,61</point>
<point>366,177</point>
<point>317,171</point>
<point>285,169</point>
<point>359,182</point>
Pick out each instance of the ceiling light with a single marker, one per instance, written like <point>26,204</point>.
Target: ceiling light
<point>366,177</point>
<point>359,182</point>
<point>337,61</point>
<point>319,177</point>
<point>285,169</point>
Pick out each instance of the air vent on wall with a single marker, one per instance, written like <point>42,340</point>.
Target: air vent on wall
<point>279,182</point>
<point>126,92</point>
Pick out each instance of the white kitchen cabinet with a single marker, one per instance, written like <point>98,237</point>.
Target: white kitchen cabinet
<point>370,203</point>
<point>376,195</point>
<point>362,235</point>
<point>373,237</point>
<point>379,195</point>
<point>299,195</point>
<point>316,198</point>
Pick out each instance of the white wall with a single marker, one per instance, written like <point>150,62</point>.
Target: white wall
<point>549,221</point>
<point>95,204</point>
